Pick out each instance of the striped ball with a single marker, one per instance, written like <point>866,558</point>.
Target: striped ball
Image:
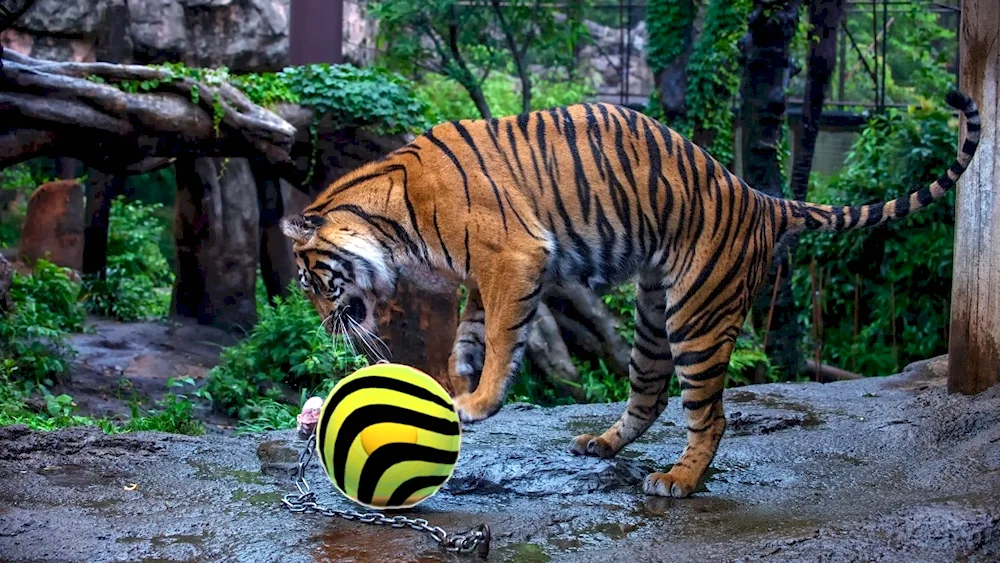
<point>388,436</point>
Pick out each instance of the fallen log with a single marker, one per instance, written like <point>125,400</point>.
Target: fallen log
<point>830,372</point>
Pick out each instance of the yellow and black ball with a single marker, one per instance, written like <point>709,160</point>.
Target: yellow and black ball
<point>388,436</point>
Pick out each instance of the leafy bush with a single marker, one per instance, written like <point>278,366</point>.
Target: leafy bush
<point>447,100</point>
<point>136,268</point>
<point>602,386</point>
<point>174,413</point>
<point>50,412</point>
<point>901,271</point>
<point>32,404</point>
<point>286,348</point>
<point>33,337</point>
<point>366,97</point>
<point>50,297</point>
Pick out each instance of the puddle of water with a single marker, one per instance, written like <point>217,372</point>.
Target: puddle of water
<point>196,540</point>
<point>74,476</point>
<point>257,498</point>
<point>613,530</point>
<point>523,553</point>
<point>210,472</point>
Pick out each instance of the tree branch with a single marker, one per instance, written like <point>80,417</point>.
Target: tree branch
<point>55,109</point>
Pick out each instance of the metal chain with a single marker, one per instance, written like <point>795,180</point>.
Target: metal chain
<point>476,539</point>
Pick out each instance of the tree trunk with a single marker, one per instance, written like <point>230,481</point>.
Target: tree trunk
<point>101,189</point>
<point>216,229</point>
<point>767,70</point>
<point>277,262</point>
<point>419,323</point>
<point>548,352</point>
<point>673,41</point>
<point>6,279</point>
<point>974,344</point>
<point>824,18</point>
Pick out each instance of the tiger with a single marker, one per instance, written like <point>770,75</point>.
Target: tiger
<point>593,193</point>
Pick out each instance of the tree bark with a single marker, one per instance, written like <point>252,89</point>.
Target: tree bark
<point>974,343</point>
<point>766,49</point>
<point>48,107</point>
<point>277,262</point>
<point>6,279</point>
<point>216,230</point>
<point>824,17</point>
<point>548,352</point>
<point>101,190</point>
<point>419,323</point>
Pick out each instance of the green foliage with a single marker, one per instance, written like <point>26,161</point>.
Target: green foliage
<point>50,296</point>
<point>33,338</point>
<point>713,75</point>
<point>372,97</point>
<point>138,275</point>
<point>669,22</point>
<point>266,89</point>
<point>919,51</point>
<point>32,404</point>
<point>903,265</point>
<point>286,348</point>
<point>447,100</point>
<point>174,413</point>
<point>416,39</point>
<point>48,411</point>
<point>602,386</point>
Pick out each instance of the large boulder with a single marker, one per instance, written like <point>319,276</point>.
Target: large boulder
<point>244,35</point>
<point>53,225</point>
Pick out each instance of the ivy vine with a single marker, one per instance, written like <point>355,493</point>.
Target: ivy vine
<point>714,74</point>
<point>668,22</point>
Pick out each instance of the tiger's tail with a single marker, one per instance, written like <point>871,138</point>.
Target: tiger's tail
<point>815,217</point>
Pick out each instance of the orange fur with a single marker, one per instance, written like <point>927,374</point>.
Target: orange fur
<point>591,193</point>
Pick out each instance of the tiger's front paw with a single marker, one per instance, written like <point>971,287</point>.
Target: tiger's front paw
<point>677,483</point>
<point>596,446</point>
<point>473,407</point>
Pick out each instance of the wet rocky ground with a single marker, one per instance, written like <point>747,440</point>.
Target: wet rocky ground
<point>118,364</point>
<point>889,469</point>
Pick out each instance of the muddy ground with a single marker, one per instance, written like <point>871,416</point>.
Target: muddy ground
<point>118,364</point>
<point>889,469</point>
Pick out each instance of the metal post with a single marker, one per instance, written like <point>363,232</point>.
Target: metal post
<point>316,32</point>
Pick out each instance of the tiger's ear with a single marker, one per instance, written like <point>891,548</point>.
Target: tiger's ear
<point>301,228</point>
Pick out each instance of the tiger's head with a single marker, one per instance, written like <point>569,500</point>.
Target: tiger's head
<point>344,272</point>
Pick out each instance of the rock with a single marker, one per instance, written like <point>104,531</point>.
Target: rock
<point>59,17</point>
<point>53,225</point>
<point>895,472</point>
<point>279,458</point>
<point>217,241</point>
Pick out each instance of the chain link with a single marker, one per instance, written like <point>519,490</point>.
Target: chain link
<point>476,539</point>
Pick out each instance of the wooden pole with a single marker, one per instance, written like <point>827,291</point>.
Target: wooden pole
<point>974,344</point>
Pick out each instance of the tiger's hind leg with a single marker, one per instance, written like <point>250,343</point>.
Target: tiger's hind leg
<point>650,368</point>
<point>465,365</point>
<point>701,352</point>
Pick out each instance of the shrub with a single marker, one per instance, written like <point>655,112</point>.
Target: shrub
<point>33,337</point>
<point>901,271</point>
<point>137,272</point>
<point>286,348</point>
<point>447,100</point>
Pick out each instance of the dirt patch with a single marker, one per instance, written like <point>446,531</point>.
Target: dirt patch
<point>117,364</point>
